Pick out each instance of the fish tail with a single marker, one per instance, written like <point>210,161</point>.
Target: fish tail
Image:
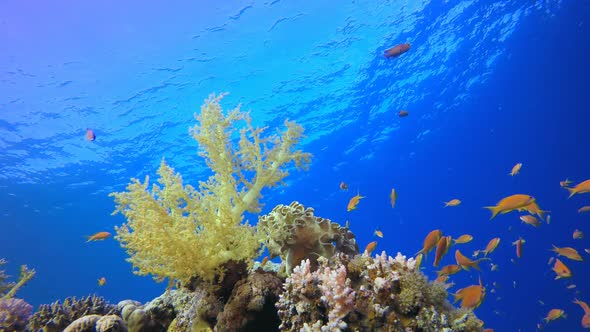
<point>572,192</point>
<point>494,210</point>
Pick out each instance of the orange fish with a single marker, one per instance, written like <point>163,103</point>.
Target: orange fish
<point>465,262</point>
<point>487,330</point>
<point>392,197</point>
<point>554,314</point>
<point>397,50</point>
<point>343,186</point>
<point>441,249</point>
<point>578,234</point>
<point>102,281</point>
<point>518,243</point>
<point>354,202</point>
<point>586,317</point>
<point>418,261</point>
<point>534,208</point>
<point>465,238</point>
<point>530,220</point>
<point>378,233</point>
<point>264,261</point>
<point>470,296</point>
<point>580,188</point>
<point>403,113</point>
<point>453,202</point>
<point>442,278</point>
<point>370,247</point>
<point>561,270</point>
<point>492,245</point>
<point>565,183</point>
<point>510,203</point>
<point>584,209</point>
<point>515,169</point>
<point>571,286</point>
<point>98,236</point>
<point>568,252</point>
<point>90,135</point>
<point>430,241</point>
<point>449,270</point>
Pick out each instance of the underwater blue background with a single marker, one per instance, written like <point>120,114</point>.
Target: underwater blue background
<point>487,85</point>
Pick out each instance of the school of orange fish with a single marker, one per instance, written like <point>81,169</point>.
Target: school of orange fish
<point>472,296</point>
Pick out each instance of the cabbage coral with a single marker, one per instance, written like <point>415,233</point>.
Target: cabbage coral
<point>175,231</point>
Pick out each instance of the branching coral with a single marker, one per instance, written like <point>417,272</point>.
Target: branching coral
<point>8,290</point>
<point>175,231</point>
<point>57,316</point>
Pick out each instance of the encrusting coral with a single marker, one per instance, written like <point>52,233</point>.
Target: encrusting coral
<point>175,231</point>
<point>294,233</point>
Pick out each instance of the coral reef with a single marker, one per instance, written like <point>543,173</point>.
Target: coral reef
<point>14,314</point>
<point>199,241</point>
<point>386,294</point>
<point>175,231</point>
<point>57,316</point>
<point>294,233</point>
<point>97,323</point>
<point>251,307</point>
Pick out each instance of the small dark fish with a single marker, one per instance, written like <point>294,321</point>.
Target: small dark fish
<point>397,50</point>
<point>90,134</point>
<point>403,113</point>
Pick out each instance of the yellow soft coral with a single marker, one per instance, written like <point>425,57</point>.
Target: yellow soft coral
<point>177,232</point>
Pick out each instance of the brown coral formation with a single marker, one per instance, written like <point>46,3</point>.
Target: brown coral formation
<point>294,233</point>
<point>251,306</point>
<point>97,323</point>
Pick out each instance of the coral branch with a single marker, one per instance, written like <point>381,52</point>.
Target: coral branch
<point>175,231</point>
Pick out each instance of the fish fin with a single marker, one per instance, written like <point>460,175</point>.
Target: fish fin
<point>571,191</point>
<point>494,210</point>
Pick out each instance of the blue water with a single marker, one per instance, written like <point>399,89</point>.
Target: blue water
<point>487,84</point>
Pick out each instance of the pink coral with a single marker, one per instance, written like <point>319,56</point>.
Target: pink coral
<point>337,295</point>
